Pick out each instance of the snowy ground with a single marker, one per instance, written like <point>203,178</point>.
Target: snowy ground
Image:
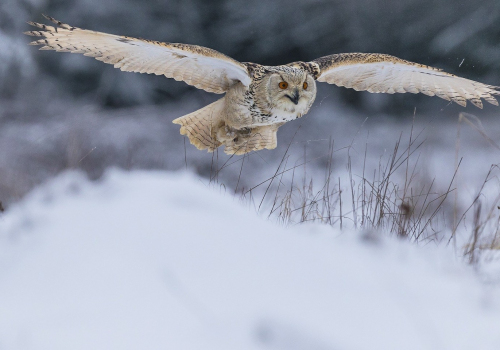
<point>158,260</point>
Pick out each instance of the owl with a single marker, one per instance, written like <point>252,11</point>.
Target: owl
<point>258,99</point>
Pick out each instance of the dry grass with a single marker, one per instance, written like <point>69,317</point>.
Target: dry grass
<point>397,198</point>
<point>390,193</point>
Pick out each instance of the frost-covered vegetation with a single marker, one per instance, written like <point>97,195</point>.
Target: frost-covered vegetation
<point>56,108</point>
<point>348,179</point>
<point>403,163</point>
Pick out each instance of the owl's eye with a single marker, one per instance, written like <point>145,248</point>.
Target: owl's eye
<point>283,85</point>
<point>304,86</point>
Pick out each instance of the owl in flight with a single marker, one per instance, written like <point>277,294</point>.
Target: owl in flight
<point>258,99</point>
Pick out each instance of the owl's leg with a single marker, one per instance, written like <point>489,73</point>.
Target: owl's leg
<point>227,134</point>
<point>207,129</point>
<point>241,141</point>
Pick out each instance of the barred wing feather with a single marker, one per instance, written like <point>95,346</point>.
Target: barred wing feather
<point>380,73</point>
<point>201,67</point>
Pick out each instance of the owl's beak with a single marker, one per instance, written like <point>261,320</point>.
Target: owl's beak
<point>295,97</point>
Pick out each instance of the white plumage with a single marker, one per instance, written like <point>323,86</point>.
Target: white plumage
<point>259,99</point>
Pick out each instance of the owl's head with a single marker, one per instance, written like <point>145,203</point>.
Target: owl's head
<point>289,89</point>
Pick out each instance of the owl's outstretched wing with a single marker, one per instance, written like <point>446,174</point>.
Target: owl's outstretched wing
<point>202,67</point>
<point>388,74</point>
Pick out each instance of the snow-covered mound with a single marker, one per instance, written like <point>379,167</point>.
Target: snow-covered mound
<point>154,260</point>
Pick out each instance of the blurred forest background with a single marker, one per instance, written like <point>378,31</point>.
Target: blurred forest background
<point>60,111</point>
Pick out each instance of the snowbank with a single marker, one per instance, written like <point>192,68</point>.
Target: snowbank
<point>154,260</point>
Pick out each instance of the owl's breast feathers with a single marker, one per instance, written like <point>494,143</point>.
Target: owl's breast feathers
<point>257,106</point>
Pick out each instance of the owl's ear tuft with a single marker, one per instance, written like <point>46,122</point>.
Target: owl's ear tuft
<point>314,69</point>
<point>254,68</point>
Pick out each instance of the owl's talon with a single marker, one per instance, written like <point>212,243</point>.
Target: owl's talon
<point>245,131</point>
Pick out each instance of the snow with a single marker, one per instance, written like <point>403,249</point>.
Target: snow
<point>158,260</point>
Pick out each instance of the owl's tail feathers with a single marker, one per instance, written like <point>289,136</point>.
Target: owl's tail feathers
<point>201,126</point>
<point>253,139</point>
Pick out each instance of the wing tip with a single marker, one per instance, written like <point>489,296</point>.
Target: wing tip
<point>491,99</point>
<point>494,89</point>
<point>58,23</point>
<point>52,19</point>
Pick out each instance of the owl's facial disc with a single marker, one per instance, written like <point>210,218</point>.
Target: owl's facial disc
<point>290,93</point>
